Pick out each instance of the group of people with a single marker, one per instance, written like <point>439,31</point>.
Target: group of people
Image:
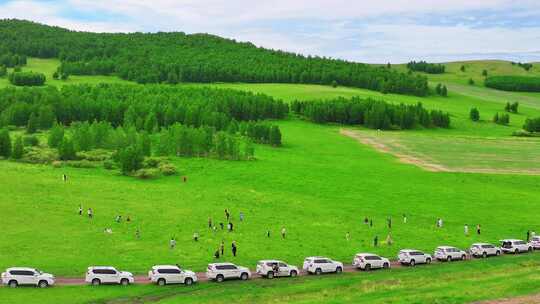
<point>466,229</point>
<point>89,212</point>
<point>221,250</point>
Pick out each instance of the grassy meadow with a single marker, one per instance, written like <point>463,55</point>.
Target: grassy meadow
<point>319,186</point>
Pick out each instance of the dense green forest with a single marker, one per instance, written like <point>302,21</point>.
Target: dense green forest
<point>423,66</point>
<point>26,79</point>
<point>371,113</point>
<point>178,57</point>
<point>514,83</point>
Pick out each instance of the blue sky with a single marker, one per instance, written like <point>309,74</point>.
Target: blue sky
<point>368,31</point>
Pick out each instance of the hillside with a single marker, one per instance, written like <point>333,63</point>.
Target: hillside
<point>178,57</point>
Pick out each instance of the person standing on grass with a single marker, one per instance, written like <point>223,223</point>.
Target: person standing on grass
<point>389,240</point>
<point>283,232</point>
<point>375,241</point>
<point>90,213</point>
<point>227,214</point>
<point>241,216</point>
<point>389,220</point>
<point>230,226</point>
<point>196,237</point>
<point>478,229</point>
<point>118,218</point>
<point>64,178</point>
<point>210,222</point>
<point>466,230</point>
<point>366,221</point>
<point>172,243</point>
<point>80,209</point>
<point>221,225</point>
<point>268,233</point>
<point>137,234</point>
<point>404,219</point>
<point>233,248</point>
<point>371,223</point>
<point>216,254</point>
<point>347,236</point>
<point>222,247</point>
<point>528,235</point>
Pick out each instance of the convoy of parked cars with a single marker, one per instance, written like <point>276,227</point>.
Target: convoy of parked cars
<point>219,272</point>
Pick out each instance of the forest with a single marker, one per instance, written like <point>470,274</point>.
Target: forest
<point>178,57</point>
<point>423,66</point>
<point>514,83</point>
<point>371,113</point>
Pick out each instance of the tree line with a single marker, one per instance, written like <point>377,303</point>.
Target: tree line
<point>525,66</point>
<point>148,108</point>
<point>532,124</point>
<point>26,78</point>
<point>423,66</point>
<point>178,57</point>
<point>514,83</point>
<point>371,113</point>
<point>10,60</point>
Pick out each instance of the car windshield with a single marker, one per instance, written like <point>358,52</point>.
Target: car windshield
<point>38,271</point>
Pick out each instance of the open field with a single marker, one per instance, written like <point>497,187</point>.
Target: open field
<point>319,185</point>
<point>457,153</point>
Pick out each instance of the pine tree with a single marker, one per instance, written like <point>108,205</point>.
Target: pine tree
<point>18,148</point>
<point>471,81</point>
<point>462,68</point>
<point>5,143</point>
<point>474,114</point>
<point>444,91</point>
<point>130,159</point>
<point>145,144</point>
<point>33,123</point>
<point>46,117</point>
<point>484,73</point>
<point>56,135</point>
<point>151,123</point>
<point>66,151</point>
<point>275,136</point>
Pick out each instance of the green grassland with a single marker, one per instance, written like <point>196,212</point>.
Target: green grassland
<point>448,283</point>
<point>319,185</point>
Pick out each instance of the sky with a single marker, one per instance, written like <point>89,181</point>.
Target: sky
<point>379,31</point>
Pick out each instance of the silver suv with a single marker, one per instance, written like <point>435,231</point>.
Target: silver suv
<point>224,271</point>
<point>16,276</point>
<point>273,268</point>
<point>98,275</point>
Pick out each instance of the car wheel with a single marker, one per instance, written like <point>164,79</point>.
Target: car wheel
<point>412,263</point>
<point>13,284</point>
<point>385,266</point>
<point>294,273</point>
<point>124,282</point>
<point>270,275</point>
<point>161,282</point>
<point>96,282</point>
<point>449,259</point>
<point>339,270</point>
<point>367,267</point>
<point>318,271</point>
<point>244,276</point>
<point>463,257</point>
<point>428,261</point>
<point>220,278</point>
<point>484,254</point>
<point>188,281</point>
<point>43,284</point>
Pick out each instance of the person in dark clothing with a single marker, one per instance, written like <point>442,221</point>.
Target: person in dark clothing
<point>222,226</point>
<point>275,269</point>
<point>210,222</point>
<point>233,248</point>
<point>231,227</point>
<point>366,221</point>
<point>227,215</point>
<point>222,247</point>
<point>64,177</point>
<point>216,254</point>
<point>370,223</point>
<point>80,209</point>
<point>267,233</point>
<point>376,241</point>
<point>528,235</point>
<point>389,223</point>
<point>478,229</point>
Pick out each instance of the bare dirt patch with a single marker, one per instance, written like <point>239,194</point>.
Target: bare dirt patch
<point>531,299</point>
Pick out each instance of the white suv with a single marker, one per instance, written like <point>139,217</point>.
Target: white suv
<point>484,250</point>
<point>318,265</point>
<point>535,242</point>
<point>16,276</point>
<point>368,261</point>
<point>412,257</point>
<point>515,246</point>
<point>274,268</point>
<point>222,271</point>
<point>448,253</point>
<point>98,275</point>
<point>168,274</point>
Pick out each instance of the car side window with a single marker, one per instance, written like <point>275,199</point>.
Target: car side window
<point>282,265</point>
